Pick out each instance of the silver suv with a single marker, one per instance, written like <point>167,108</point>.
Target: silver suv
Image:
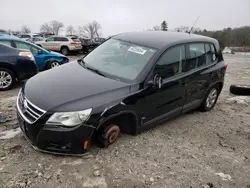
<point>61,44</point>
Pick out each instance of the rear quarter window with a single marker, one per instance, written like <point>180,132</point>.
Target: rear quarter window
<point>75,39</point>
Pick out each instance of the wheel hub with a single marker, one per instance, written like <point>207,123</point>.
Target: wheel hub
<point>112,134</point>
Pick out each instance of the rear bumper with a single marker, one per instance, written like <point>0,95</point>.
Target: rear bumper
<point>74,48</point>
<point>55,139</point>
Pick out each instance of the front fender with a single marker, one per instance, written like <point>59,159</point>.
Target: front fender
<point>111,110</point>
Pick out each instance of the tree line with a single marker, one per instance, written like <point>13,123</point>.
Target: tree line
<point>231,37</point>
<point>90,30</point>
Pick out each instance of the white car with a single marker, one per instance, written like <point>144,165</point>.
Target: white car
<point>61,43</point>
<point>227,51</point>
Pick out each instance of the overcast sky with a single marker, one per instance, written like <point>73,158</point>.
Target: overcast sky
<point>116,16</point>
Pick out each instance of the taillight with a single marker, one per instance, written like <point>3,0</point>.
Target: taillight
<point>225,66</point>
<point>73,43</point>
<point>27,55</point>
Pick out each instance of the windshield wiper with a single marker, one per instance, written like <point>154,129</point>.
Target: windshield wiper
<point>95,70</point>
<point>81,61</point>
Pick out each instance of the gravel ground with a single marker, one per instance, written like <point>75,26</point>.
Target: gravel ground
<point>195,150</point>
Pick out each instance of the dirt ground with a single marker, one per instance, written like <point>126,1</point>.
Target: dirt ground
<point>196,150</point>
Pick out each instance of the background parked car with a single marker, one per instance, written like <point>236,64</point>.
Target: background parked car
<point>15,65</point>
<point>35,39</point>
<point>227,51</point>
<point>27,36</point>
<point>61,44</point>
<point>87,44</point>
<point>44,59</point>
<point>98,41</point>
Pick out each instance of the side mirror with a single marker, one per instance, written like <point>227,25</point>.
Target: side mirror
<point>46,40</point>
<point>156,82</point>
<point>39,51</point>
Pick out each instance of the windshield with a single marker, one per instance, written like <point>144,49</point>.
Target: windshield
<point>120,59</point>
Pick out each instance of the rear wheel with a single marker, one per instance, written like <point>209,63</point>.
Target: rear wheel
<point>52,64</point>
<point>109,135</point>
<point>7,79</point>
<point>210,99</point>
<point>65,51</point>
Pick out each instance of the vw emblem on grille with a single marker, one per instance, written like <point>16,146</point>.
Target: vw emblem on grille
<point>25,106</point>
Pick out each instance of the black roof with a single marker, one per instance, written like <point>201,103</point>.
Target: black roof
<point>161,39</point>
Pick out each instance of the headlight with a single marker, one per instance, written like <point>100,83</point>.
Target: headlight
<point>69,119</point>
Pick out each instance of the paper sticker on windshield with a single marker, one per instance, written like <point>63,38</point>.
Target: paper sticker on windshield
<point>137,50</point>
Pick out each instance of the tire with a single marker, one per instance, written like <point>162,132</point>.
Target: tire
<point>108,135</point>
<point>65,51</point>
<point>240,89</point>
<point>6,75</point>
<point>210,99</point>
<point>52,64</point>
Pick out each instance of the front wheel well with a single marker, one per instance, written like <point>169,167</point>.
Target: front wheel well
<point>126,121</point>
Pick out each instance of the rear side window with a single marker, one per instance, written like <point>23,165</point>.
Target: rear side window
<point>21,45</point>
<point>61,39</point>
<point>197,57</point>
<point>170,64</point>
<point>6,42</point>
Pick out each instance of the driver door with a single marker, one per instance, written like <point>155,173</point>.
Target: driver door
<point>167,100</point>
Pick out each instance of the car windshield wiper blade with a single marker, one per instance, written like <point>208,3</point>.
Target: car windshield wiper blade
<point>81,61</point>
<point>95,70</point>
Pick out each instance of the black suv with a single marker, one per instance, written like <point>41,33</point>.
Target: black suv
<point>127,84</point>
<point>15,65</point>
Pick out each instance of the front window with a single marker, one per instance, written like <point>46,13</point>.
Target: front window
<point>119,59</point>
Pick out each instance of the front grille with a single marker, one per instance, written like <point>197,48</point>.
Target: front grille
<point>27,110</point>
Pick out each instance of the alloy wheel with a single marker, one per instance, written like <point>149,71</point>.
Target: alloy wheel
<point>211,98</point>
<point>5,79</point>
<point>54,64</point>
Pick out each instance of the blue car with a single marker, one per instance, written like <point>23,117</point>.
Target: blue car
<point>44,59</point>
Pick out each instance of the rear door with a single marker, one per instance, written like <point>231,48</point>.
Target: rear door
<point>200,58</point>
<point>60,41</point>
<point>48,44</point>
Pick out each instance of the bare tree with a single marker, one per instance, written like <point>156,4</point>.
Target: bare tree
<point>70,30</point>
<point>46,28</point>
<point>156,28</point>
<point>56,26</point>
<point>90,30</point>
<point>25,29</point>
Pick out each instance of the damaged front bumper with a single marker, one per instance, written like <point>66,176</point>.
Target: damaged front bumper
<point>56,140</point>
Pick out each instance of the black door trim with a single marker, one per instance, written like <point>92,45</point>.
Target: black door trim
<point>165,116</point>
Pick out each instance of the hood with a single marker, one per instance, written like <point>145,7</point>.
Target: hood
<point>58,54</point>
<point>71,87</point>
